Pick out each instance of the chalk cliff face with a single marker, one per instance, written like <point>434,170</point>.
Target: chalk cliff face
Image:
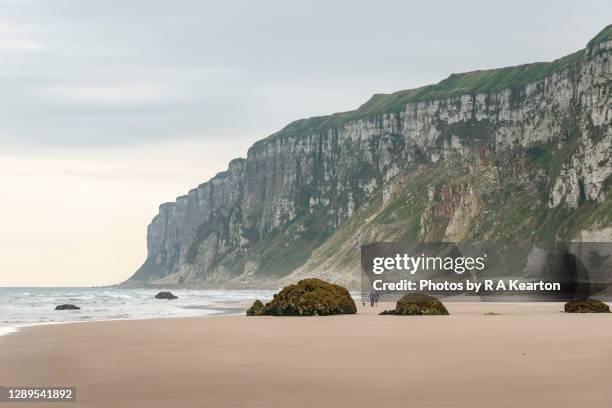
<point>516,154</point>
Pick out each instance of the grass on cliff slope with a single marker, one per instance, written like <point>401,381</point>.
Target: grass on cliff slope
<point>515,212</point>
<point>481,81</point>
<point>283,251</point>
<point>603,35</point>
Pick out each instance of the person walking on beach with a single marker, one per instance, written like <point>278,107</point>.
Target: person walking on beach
<point>372,297</point>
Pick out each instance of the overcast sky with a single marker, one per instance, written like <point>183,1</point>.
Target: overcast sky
<point>108,108</point>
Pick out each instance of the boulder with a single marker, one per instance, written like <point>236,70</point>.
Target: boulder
<point>165,295</point>
<point>417,304</point>
<point>255,310</point>
<point>310,297</point>
<point>67,307</point>
<point>586,306</point>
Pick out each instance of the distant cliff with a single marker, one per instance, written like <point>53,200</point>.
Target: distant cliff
<point>514,154</point>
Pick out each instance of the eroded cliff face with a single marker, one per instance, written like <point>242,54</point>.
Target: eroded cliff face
<point>531,160</point>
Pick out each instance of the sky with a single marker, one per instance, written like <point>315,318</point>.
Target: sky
<point>109,108</point>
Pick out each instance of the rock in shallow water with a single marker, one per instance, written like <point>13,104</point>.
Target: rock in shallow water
<point>586,306</point>
<point>417,304</point>
<point>166,295</point>
<point>67,307</point>
<point>309,297</point>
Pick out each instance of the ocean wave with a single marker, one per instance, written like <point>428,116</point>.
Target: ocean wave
<point>31,306</point>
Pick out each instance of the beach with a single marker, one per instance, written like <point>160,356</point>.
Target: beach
<point>529,355</point>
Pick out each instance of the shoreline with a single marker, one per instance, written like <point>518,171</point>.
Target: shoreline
<point>230,308</point>
<point>224,308</point>
<point>219,311</point>
<point>522,355</point>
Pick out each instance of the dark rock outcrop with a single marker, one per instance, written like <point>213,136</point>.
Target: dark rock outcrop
<point>67,307</point>
<point>417,304</point>
<point>586,306</point>
<point>255,309</point>
<point>166,295</point>
<point>310,297</point>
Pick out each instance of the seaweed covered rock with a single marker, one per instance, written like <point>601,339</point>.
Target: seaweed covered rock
<point>417,304</point>
<point>255,309</point>
<point>67,307</point>
<point>311,297</point>
<point>166,295</point>
<point>586,306</point>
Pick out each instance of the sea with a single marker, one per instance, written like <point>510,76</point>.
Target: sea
<point>22,307</point>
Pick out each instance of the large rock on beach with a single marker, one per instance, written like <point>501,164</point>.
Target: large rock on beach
<point>417,304</point>
<point>586,306</point>
<point>308,297</point>
<point>255,309</point>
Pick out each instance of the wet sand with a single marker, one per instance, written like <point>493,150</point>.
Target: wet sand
<point>529,356</point>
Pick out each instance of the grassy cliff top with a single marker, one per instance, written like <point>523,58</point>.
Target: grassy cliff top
<point>604,35</point>
<point>481,81</point>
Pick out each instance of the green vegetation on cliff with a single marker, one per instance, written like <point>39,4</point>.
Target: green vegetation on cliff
<point>480,81</point>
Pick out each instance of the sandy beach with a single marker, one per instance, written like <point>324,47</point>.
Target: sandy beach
<point>530,355</point>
